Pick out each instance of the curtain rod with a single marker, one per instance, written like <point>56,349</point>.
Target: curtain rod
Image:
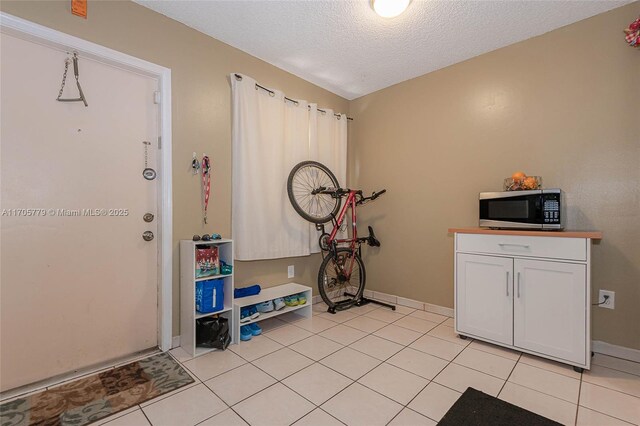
<point>271,92</point>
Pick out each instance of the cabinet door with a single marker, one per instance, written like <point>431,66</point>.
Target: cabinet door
<point>550,308</point>
<point>484,297</point>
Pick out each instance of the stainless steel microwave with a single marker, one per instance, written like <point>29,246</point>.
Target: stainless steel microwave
<point>536,209</point>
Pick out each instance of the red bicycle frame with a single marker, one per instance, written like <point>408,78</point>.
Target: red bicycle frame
<point>353,241</point>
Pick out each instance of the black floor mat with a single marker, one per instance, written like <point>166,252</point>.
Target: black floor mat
<point>475,408</point>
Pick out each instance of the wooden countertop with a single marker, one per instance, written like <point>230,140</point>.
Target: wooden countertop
<point>595,235</point>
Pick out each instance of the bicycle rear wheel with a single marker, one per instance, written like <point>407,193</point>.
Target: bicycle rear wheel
<point>338,291</point>
<point>306,178</point>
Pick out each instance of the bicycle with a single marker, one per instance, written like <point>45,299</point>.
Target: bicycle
<point>315,195</point>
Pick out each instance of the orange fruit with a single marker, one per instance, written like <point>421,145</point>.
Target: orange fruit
<point>518,176</point>
<point>530,183</point>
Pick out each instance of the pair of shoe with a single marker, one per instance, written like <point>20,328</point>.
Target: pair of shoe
<point>270,305</point>
<point>295,299</point>
<point>248,313</point>
<point>248,331</point>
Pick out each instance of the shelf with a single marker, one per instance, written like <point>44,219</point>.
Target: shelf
<point>202,314</point>
<point>188,280</point>
<point>213,277</point>
<point>222,241</point>
<point>272,293</point>
<point>201,351</point>
<point>274,313</point>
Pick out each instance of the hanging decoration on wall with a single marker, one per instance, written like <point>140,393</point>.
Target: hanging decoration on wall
<point>195,164</point>
<point>148,172</point>
<point>76,72</point>
<point>633,33</point>
<point>205,166</point>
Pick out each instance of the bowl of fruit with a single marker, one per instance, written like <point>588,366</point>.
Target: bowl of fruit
<point>519,181</point>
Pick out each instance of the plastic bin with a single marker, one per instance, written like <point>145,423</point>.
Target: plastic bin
<point>210,296</point>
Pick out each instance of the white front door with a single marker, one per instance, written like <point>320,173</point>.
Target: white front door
<point>484,297</point>
<point>78,282</point>
<point>549,308</point>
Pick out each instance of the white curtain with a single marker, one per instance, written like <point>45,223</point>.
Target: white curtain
<point>328,145</point>
<point>269,136</point>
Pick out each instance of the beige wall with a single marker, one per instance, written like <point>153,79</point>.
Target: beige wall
<point>563,105</point>
<point>201,111</point>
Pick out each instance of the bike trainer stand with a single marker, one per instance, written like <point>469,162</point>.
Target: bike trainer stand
<point>363,301</point>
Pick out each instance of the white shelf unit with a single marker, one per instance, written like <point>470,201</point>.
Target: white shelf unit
<point>188,312</point>
<point>270,294</point>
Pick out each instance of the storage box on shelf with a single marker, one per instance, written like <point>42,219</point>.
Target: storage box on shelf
<point>270,294</point>
<point>188,280</point>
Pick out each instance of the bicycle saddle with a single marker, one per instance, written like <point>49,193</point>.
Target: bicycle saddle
<point>372,240</point>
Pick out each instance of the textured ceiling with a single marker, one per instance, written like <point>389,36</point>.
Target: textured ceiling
<point>344,47</point>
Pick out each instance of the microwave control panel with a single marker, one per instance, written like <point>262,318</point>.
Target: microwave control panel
<point>551,208</point>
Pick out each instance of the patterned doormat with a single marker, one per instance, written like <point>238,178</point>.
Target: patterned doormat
<point>91,398</point>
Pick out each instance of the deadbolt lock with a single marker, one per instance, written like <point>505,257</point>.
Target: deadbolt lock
<point>147,235</point>
<point>148,217</point>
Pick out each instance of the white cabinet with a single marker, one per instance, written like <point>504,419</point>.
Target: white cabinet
<point>526,292</point>
<point>484,297</point>
<point>549,309</point>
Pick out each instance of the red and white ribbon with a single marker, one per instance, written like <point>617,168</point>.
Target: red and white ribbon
<point>633,33</point>
<point>206,183</point>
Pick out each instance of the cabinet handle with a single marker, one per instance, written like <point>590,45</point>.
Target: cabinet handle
<point>516,245</point>
<point>507,283</point>
<point>518,284</point>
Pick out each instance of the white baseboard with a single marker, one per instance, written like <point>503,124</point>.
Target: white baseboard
<point>615,351</point>
<point>437,309</point>
<point>175,342</point>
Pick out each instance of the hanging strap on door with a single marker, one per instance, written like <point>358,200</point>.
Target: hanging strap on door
<point>76,72</point>
<point>205,166</point>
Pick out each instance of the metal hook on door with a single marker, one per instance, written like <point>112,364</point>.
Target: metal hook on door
<point>76,72</point>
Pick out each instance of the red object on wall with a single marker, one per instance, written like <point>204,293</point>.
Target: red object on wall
<point>633,33</point>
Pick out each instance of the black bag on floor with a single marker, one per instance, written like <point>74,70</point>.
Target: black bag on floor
<point>212,333</point>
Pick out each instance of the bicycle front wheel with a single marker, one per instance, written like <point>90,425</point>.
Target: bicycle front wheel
<point>304,181</point>
<point>341,279</point>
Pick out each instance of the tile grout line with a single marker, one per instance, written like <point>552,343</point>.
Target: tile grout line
<point>575,421</point>
<point>145,415</point>
<point>613,390</point>
<point>509,376</point>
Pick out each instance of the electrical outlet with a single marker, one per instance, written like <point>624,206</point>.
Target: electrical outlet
<point>291,271</point>
<point>610,303</point>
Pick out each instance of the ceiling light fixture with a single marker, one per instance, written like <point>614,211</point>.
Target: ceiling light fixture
<point>389,8</point>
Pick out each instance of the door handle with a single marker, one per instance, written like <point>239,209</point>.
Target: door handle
<point>147,235</point>
<point>518,284</point>
<point>507,283</point>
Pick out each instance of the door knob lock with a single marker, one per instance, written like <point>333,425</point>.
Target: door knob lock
<point>147,235</point>
<point>148,217</point>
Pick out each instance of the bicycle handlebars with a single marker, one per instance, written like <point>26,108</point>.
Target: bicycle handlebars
<point>340,192</point>
<point>377,194</point>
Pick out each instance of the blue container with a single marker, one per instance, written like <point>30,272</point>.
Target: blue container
<point>210,296</point>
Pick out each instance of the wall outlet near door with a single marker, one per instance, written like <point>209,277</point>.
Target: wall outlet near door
<point>291,270</point>
<point>609,303</point>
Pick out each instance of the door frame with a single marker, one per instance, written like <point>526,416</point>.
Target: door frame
<point>27,30</point>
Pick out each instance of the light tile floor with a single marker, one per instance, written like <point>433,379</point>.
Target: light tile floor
<point>372,366</point>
